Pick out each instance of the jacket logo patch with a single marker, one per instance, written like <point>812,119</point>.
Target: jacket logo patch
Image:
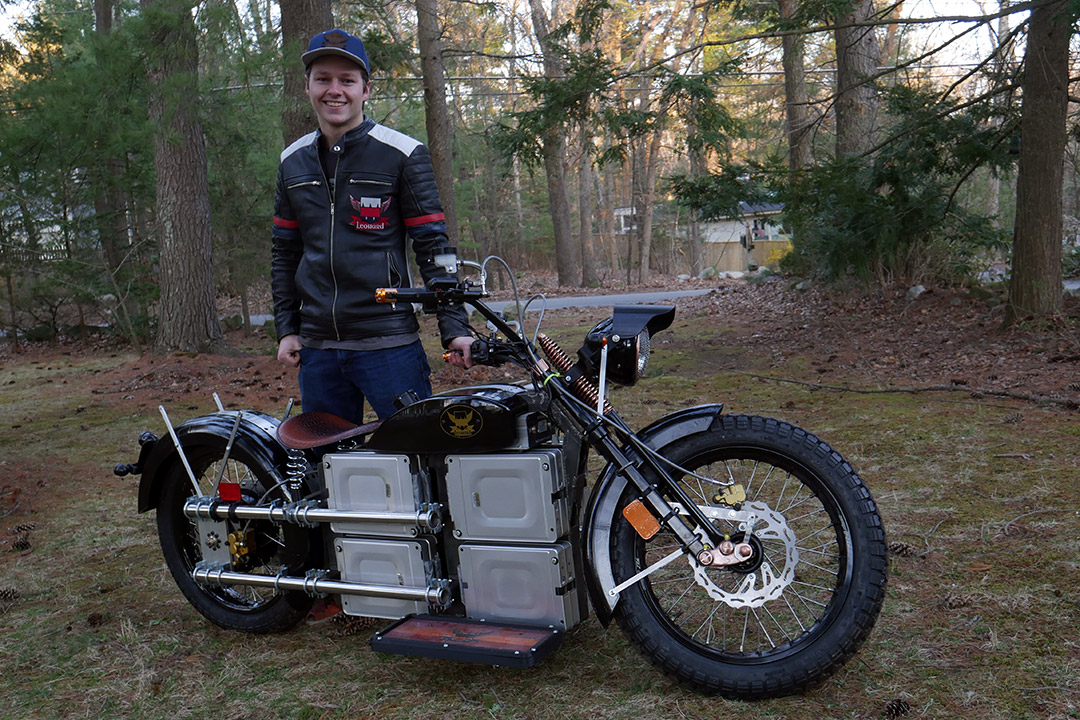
<point>371,213</point>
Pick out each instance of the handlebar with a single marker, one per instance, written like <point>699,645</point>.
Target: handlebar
<point>438,292</point>
<point>444,292</point>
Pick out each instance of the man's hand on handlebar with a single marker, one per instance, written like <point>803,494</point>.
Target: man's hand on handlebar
<point>459,352</point>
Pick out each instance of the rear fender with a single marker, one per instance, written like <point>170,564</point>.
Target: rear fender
<point>256,436</point>
<point>602,510</point>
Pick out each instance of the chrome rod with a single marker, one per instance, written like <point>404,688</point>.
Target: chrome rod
<point>228,448</point>
<point>614,592</point>
<point>179,449</point>
<point>307,513</point>
<point>217,575</point>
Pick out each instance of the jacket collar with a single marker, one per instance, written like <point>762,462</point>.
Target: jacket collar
<point>357,132</point>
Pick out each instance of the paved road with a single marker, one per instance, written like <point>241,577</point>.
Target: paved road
<point>641,298</point>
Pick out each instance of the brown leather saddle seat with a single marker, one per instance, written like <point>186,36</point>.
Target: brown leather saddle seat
<point>314,429</point>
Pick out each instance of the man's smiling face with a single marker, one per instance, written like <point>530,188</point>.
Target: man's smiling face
<point>337,92</point>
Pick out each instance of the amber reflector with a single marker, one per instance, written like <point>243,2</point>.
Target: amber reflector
<point>641,519</point>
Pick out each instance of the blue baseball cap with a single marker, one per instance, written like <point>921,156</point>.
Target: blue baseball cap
<point>337,42</point>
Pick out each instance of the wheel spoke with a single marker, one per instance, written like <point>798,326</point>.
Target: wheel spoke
<point>779,604</point>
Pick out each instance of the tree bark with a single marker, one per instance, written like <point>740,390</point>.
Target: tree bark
<point>1035,286</point>
<point>796,102</point>
<point>652,160</point>
<point>187,317</point>
<point>567,256</point>
<point>857,54</point>
<point>110,208</point>
<point>586,211</point>
<point>300,21</point>
<point>440,129</point>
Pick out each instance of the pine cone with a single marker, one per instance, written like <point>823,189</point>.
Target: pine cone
<point>23,543</point>
<point>23,528</point>
<point>9,595</point>
<point>1073,386</point>
<point>953,601</point>
<point>896,708</point>
<point>902,549</point>
<point>1013,418</point>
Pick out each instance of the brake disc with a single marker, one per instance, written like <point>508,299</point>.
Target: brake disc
<point>774,570</point>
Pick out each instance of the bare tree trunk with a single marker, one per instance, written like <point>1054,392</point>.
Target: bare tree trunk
<point>567,256</point>
<point>857,55</point>
<point>586,211</point>
<point>300,21</point>
<point>796,102</point>
<point>891,45</point>
<point>607,217</point>
<point>13,334</point>
<point>1035,285</point>
<point>652,160</point>
<point>110,210</point>
<point>1002,63</point>
<point>440,129</point>
<point>187,317</point>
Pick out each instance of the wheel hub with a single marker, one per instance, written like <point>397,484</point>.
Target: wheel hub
<point>764,576</point>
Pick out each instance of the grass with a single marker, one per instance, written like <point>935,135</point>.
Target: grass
<point>981,506</point>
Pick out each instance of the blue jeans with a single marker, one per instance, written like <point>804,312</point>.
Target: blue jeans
<point>339,381</point>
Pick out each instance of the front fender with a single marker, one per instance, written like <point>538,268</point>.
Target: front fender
<point>256,434</point>
<point>601,512</point>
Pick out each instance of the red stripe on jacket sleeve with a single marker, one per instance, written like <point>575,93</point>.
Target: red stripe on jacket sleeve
<point>287,224</point>
<point>435,217</point>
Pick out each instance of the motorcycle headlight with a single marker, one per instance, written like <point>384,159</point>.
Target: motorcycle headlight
<point>628,333</point>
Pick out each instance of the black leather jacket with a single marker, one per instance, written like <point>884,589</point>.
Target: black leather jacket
<point>329,256</point>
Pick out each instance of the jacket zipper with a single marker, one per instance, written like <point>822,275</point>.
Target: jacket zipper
<point>354,181</point>
<point>333,275</point>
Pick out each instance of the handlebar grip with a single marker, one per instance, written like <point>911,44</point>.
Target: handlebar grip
<point>396,295</point>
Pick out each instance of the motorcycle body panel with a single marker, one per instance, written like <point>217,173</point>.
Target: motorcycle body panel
<point>602,509</point>
<point>473,419</point>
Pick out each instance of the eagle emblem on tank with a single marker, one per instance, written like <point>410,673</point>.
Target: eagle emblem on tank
<point>461,421</point>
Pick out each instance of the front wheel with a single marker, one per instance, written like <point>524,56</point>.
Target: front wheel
<point>804,601</point>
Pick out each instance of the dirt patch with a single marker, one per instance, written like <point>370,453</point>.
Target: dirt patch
<point>883,339</point>
<point>940,338</point>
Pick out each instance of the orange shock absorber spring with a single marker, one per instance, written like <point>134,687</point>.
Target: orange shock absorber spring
<point>582,387</point>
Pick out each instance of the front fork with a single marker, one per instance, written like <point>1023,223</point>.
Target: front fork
<point>698,543</point>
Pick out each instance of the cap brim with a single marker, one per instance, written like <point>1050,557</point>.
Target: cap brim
<point>313,55</point>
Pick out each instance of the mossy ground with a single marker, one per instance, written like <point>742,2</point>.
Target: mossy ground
<point>980,498</point>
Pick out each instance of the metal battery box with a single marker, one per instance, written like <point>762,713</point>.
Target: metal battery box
<point>533,585</point>
<point>511,497</point>
<point>372,482</point>
<point>404,563</point>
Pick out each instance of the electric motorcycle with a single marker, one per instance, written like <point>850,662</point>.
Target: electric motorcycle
<point>740,554</point>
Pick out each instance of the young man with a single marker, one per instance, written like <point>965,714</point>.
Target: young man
<point>349,198</point>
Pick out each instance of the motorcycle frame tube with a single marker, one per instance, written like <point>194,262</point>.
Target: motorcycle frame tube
<point>602,509</point>
<point>317,586</point>
<point>623,467</point>
<point>210,508</point>
<point>255,435</point>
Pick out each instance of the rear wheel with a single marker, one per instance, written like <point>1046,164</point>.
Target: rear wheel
<point>259,545</point>
<point>799,607</point>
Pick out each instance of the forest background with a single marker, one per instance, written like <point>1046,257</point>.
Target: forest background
<point>139,142</point>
